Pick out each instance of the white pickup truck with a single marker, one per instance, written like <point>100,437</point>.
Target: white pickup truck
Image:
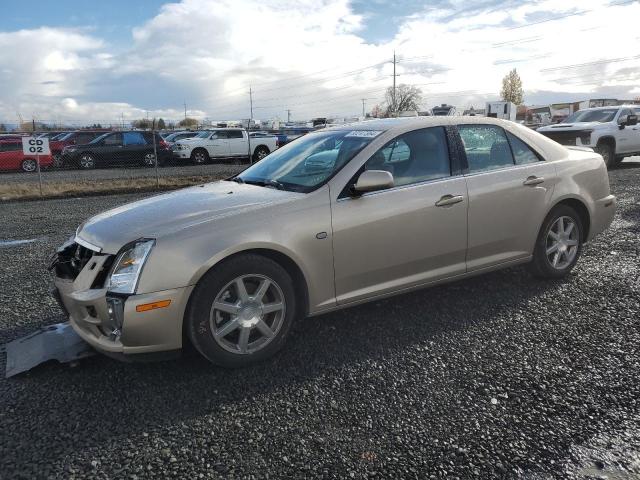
<point>613,132</point>
<point>223,143</point>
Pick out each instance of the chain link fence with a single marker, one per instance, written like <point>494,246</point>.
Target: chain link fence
<point>116,159</point>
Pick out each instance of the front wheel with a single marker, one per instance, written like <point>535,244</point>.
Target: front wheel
<point>241,311</point>
<point>607,152</point>
<point>200,156</point>
<point>57,160</point>
<point>559,244</point>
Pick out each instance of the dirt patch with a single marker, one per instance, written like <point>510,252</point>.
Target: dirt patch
<point>30,191</point>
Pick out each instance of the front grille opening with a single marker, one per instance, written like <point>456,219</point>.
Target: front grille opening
<point>69,261</point>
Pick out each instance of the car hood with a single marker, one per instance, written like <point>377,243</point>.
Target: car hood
<point>167,213</point>
<point>560,127</point>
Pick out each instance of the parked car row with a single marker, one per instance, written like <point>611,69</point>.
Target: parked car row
<point>12,157</point>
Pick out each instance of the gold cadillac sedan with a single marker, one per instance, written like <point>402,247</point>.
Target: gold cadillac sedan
<point>338,217</point>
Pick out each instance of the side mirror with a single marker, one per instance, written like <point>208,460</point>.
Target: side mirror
<point>622,121</point>
<point>632,120</point>
<point>372,181</point>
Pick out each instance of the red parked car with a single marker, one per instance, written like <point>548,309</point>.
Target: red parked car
<point>12,158</point>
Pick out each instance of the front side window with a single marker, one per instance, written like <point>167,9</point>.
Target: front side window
<point>308,162</point>
<point>522,153</point>
<point>234,134</point>
<point>486,147</point>
<point>414,157</point>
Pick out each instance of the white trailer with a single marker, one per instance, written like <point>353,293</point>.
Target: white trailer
<point>504,110</point>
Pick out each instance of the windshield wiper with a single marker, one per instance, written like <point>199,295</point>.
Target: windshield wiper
<point>237,179</point>
<point>266,183</point>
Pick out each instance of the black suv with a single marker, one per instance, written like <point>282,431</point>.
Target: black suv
<point>118,148</point>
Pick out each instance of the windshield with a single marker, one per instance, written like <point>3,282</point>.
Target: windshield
<point>307,163</point>
<point>61,136</point>
<point>204,134</point>
<point>602,116</point>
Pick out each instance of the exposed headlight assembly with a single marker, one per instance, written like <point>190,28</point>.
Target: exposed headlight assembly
<point>128,266</point>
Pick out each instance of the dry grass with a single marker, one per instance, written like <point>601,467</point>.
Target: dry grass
<point>30,191</point>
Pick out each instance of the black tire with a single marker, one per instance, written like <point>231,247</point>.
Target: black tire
<point>260,153</point>
<point>29,165</point>
<point>87,161</point>
<point>58,162</point>
<point>608,153</point>
<point>200,156</point>
<point>541,265</point>
<point>214,283</point>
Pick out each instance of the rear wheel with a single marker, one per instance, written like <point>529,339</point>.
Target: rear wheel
<point>87,161</point>
<point>260,153</point>
<point>29,165</point>
<point>241,311</point>
<point>200,156</point>
<point>608,153</point>
<point>149,159</point>
<point>559,244</point>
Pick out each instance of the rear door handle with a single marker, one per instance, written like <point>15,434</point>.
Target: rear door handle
<point>533,180</point>
<point>446,200</point>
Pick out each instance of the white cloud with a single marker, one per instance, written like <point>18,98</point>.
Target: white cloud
<point>209,52</point>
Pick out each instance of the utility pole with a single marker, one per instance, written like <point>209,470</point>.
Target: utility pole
<point>395,113</point>
<point>363,100</point>
<point>288,115</point>
<point>250,105</point>
<point>185,109</point>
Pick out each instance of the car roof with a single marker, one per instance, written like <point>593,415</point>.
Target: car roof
<point>403,123</point>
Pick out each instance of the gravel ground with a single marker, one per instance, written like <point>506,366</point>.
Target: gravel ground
<point>100,174</point>
<point>495,376</point>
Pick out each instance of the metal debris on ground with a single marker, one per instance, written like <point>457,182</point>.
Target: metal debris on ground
<point>54,342</point>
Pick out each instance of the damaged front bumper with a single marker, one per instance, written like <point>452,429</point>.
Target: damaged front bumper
<point>115,324</point>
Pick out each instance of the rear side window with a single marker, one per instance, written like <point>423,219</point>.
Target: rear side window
<point>114,139</point>
<point>234,134</point>
<point>133,138</point>
<point>414,157</point>
<point>10,146</point>
<point>486,147</point>
<point>522,153</point>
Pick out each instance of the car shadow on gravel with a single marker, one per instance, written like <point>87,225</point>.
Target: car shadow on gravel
<point>102,398</point>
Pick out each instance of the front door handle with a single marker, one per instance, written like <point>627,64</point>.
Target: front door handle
<point>533,180</point>
<point>446,200</point>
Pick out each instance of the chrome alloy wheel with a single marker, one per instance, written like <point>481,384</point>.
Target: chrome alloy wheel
<point>199,157</point>
<point>149,159</point>
<point>87,161</point>
<point>29,165</point>
<point>247,314</point>
<point>260,154</point>
<point>562,243</point>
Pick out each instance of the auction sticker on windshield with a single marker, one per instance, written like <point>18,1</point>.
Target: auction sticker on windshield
<point>364,133</point>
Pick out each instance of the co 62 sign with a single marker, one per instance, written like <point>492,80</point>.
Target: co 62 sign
<point>35,146</point>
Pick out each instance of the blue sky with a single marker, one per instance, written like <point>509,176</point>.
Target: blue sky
<point>97,61</point>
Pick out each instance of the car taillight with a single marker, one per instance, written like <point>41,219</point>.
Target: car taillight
<point>164,145</point>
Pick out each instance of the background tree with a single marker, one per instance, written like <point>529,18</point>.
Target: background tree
<point>142,124</point>
<point>512,88</point>
<point>3,127</point>
<point>408,97</point>
<point>377,111</point>
<point>188,122</point>
<point>161,125</point>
